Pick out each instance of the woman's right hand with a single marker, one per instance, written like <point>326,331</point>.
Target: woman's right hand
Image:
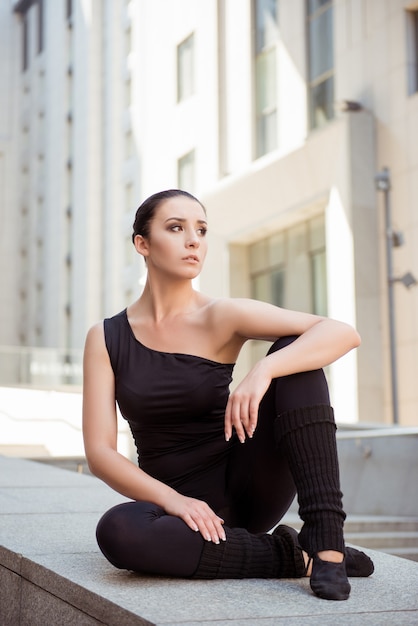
<point>197,515</point>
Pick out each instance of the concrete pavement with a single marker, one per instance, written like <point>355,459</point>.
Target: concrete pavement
<point>52,572</point>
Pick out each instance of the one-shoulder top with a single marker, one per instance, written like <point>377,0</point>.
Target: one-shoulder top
<point>175,406</point>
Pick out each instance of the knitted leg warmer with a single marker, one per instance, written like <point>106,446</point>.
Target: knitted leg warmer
<point>307,438</point>
<point>244,555</point>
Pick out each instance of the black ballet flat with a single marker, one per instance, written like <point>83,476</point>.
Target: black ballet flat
<point>329,580</point>
<point>357,563</point>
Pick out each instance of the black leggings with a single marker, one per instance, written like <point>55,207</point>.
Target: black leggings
<point>140,536</point>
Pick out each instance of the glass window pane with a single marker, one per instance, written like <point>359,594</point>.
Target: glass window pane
<point>288,268</point>
<point>314,5</point>
<point>322,103</point>
<point>321,57</point>
<point>25,42</point>
<point>186,171</point>
<point>277,281</point>
<point>258,256</point>
<point>261,287</point>
<point>298,289</point>
<point>319,283</point>
<point>185,69</point>
<point>317,233</point>
<point>412,50</point>
<point>277,249</point>
<point>266,23</point>
<point>266,134</point>
<point>266,103</point>
<point>40,25</point>
<point>266,90</point>
<point>415,58</point>
<point>297,240</point>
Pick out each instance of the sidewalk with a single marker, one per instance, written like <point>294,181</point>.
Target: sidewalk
<point>52,572</point>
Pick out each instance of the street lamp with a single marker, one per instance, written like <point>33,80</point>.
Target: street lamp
<point>393,239</point>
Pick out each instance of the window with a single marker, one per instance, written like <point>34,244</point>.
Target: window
<point>266,36</point>
<point>288,268</point>
<point>25,42</point>
<point>412,50</point>
<point>318,266</point>
<point>185,69</point>
<point>186,172</point>
<point>40,26</point>
<point>320,62</point>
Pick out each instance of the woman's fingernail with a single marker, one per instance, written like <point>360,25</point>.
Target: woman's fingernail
<point>226,438</point>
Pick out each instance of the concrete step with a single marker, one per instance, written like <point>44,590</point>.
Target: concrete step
<point>392,535</point>
<point>405,553</point>
<point>376,541</point>
<point>359,524</point>
<point>381,524</point>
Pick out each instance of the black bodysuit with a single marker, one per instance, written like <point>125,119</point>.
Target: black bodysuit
<point>175,406</point>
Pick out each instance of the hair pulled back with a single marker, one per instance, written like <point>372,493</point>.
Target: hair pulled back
<point>147,209</point>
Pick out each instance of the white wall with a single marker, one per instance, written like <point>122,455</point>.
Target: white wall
<point>38,423</point>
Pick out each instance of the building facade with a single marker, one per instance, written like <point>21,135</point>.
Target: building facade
<point>278,115</point>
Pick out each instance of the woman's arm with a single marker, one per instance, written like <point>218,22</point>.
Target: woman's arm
<point>320,341</point>
<point>100,442</point>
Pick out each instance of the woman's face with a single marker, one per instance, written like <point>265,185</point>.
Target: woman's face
<point>177,241</point>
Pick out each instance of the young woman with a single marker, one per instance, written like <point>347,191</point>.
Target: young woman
<point>217,470</point>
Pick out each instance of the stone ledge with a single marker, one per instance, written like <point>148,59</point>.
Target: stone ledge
<point>51,571</point>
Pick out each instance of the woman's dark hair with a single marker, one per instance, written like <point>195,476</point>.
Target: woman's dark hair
<point>146,211</point>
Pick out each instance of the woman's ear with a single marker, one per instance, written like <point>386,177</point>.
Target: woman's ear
<point>141,245</point>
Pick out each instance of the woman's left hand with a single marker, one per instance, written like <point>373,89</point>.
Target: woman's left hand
<point>242,409</point>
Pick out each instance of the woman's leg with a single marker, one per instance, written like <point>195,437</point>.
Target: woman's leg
<point>141,537</point>
<point>305,432</point>
<point>295,437</point>
<point>260,477</point>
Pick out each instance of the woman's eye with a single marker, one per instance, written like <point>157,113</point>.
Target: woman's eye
<point>202,231</point>
<point>176,228</point>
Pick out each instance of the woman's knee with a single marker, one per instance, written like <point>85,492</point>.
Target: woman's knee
<point>299,389</point>
<point>123,527</point>
<point>282,342</point>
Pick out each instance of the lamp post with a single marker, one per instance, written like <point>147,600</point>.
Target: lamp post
<point>393,239</point>
<point>383,184</point>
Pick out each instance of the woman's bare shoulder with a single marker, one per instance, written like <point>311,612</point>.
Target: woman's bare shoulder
<point>95,337</point>
<point>97,330</point>
<point>234,306</point>
<point>229,312</point>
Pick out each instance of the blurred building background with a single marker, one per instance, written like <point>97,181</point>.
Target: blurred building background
<point>277,115</point>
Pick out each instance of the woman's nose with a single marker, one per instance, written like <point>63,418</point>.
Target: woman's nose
<point>192,240</point>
